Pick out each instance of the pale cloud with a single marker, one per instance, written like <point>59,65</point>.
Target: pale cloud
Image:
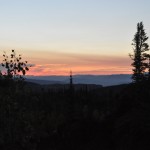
<point>83,68</point>
<point>58,63</point>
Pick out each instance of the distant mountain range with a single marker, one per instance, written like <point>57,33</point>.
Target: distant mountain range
<point>104,80</point>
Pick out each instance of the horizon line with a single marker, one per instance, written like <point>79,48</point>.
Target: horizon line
<point>79,74</point>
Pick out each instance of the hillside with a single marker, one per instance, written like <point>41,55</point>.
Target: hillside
<point>84,117</point>
<point>104,80</point>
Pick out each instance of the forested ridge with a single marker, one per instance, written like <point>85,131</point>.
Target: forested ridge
<point>114,117</point>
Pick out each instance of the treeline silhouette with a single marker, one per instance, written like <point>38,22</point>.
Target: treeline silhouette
<point>116,117</point>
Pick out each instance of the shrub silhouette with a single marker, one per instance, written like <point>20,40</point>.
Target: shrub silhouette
<point>14,69</point>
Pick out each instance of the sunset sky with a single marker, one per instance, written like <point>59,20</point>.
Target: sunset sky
<point>85,36</point>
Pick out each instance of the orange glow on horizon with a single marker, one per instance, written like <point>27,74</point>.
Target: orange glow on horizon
<point>61,63</point>
<point>62,69</point>
<point>54,63</point>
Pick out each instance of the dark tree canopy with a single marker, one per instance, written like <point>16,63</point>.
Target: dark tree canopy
<point>139,57</point>
<point>14,69</point>
<point>13,65</point>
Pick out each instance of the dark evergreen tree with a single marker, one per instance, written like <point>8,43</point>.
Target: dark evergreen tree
<point>140,47</point>
<point>148,66</point>
<point>71,81</point>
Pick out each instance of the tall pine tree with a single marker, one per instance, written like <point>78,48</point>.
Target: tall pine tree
<point>140,47</point>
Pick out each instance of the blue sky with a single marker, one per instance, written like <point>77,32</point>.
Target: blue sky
<point>80,27</point>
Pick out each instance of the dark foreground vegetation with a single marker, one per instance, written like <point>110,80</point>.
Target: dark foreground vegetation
<point>106,118</point>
